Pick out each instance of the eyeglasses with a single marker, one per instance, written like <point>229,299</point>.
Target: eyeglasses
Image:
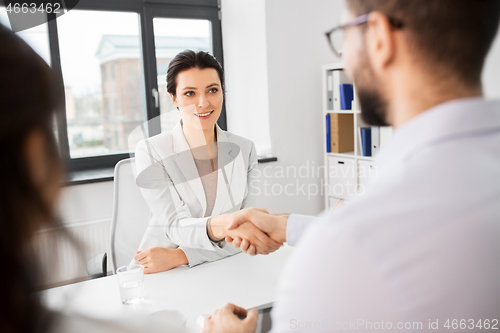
<point>335,36</point>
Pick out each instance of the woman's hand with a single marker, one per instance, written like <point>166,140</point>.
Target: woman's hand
<point>159,259</point>
<point>259,242</point>
<point>273,226</point>
<point>226,320</point>
<point>217,225</point>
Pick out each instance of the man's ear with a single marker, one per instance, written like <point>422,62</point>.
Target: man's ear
<point>380,41</point>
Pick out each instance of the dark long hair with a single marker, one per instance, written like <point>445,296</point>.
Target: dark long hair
<point>188,59</point>
<point>30,94</point>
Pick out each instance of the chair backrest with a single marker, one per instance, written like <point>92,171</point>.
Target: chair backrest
<point>130,215</point>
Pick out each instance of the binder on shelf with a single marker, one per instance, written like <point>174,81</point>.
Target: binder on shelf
<point>375,140</point>
<point>360,142</point>
<point>338,78</point>
<point>385,135</point>
<point>346,96</point>
<point>328,135</point>
<point>341,133</point>
<point>329,84</point>
<point>365,139</point>
<point>355,103</point>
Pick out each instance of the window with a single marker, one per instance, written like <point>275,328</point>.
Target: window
<point>171,37</point>
<point>113,68</point>
<point>110,55</point>
<point>36,37</point>
<point>110,39</point>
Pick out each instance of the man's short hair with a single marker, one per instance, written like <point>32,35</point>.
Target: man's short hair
<point>456,34</point>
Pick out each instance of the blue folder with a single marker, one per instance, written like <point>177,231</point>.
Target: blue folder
<point>346,96</point>
<point>328,135</point>
<point>366,140</point>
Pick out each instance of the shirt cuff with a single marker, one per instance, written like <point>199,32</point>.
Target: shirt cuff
<point>192,256</point>
<point>219,244</point>
<point>296,226</point>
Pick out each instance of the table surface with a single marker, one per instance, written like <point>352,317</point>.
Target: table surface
<point>241,279</point>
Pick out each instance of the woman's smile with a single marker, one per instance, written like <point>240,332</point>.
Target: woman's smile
<point>205,115</point>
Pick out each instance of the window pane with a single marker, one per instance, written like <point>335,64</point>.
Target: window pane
<point>171,37</point>
<point>36,37</point>
<point>101,59</point>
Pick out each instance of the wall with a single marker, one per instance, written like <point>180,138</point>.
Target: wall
<point>491,73</point>
<point>86,203</point>
<point>86,211</point>
<point>296,48</point>
<point>245,64</point>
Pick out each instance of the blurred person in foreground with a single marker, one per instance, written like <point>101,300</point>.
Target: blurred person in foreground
<point>420,250</point>
<point>31,176</point>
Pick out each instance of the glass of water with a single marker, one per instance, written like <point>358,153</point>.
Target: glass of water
<point>131,282</point>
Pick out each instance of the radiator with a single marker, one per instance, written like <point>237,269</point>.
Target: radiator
<point>63,262</point>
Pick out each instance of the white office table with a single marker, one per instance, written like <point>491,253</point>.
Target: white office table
<point>241,279</point>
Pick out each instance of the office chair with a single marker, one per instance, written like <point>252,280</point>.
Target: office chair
<point>129,221</point>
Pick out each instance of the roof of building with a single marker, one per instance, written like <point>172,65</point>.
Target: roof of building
<point>126,44</point>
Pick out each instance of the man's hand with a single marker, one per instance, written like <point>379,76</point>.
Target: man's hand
<point>273,225</point>
<point>226,320</point>
<point>159,259</point>
<point>260,242</point>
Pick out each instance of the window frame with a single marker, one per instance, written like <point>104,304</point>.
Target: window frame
<point>147,10</point>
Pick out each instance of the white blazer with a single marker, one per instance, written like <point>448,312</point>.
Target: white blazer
<point>172,188</point>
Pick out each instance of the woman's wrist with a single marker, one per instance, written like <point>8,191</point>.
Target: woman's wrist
<point>181,258</point>
<point>216,228</point>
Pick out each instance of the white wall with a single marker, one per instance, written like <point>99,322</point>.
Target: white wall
<point>245,64</point>
<point>86,203</point>
<point>491,73</point>
<point>296,49</point>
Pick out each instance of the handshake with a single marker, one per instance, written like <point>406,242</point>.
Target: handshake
<point>253,230</point>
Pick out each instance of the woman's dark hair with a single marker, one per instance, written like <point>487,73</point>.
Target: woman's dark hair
<point>188,59</point>
<point>29,95</point>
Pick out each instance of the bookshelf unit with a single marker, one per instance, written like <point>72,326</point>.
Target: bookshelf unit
<point>346,173</point>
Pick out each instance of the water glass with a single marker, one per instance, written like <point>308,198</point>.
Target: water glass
<point>131,282</point>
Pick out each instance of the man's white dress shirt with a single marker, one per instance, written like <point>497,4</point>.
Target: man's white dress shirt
<point>422,245</point>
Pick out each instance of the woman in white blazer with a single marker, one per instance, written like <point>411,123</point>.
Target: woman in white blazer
<point>196,176</point>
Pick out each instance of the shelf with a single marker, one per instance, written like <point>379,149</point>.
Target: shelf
<point>343,111</point>
<point>332,67</point>
<point>333,196</point>
<point>349,154</point>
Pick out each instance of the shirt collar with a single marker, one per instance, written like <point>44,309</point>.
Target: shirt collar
<point>456,118</point>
